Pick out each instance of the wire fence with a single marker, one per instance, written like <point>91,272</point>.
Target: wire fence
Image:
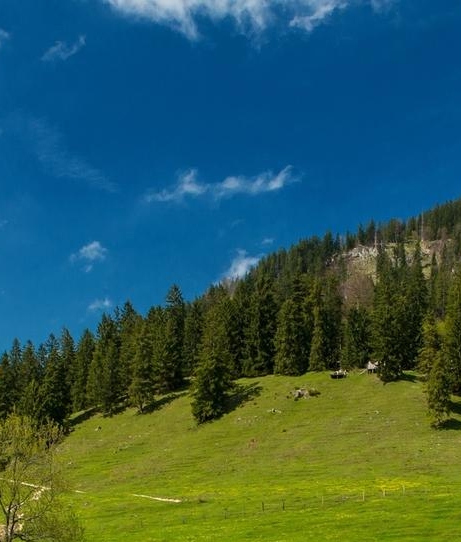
<point>209,511</point>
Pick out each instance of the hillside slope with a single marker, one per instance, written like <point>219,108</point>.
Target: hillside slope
<point>359,458</point>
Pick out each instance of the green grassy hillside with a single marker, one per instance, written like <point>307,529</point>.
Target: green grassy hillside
<point>358,462</point>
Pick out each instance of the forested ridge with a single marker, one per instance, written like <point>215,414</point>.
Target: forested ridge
<point>315,306</point>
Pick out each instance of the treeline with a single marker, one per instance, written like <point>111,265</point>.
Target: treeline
<point>301,309</point>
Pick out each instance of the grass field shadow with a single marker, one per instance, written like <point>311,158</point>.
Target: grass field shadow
<point>83,416</point>
<point>241,395</point>
<point>163,401</point>
<point>451,424</point>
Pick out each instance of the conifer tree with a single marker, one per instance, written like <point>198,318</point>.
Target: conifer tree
<point>452,342</point>
<point>260,333</point>
<point>193,324</point>
<point>317,354</point>
<point>83,358</point>
<point>129,323</point>
<point>54,403</point>
<point>6,382</point>
<point>212,379</point>
<point>431,345</point>
<point>290,355</point>
<point>356,351</point>
<point>170,363</point>
<point>104,385</point>
<point>141,389</point>
<point>438,390</point>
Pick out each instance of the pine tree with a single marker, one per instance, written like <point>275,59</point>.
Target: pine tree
<point>170,364</point>
<point>431,345</point>
<point>53,404</point>
<point>260,333</point>
<point>129,323</point>
<point>357,349</point>
<point>193,324</point>
<point>6,382</point>
<point>317,353</point>
<point>290,341</point>
<point>83,358</point>
<point>452,342</point>
<point>212,380</point>
<point>141,389</point>
<point>104,384</point>
<point>438,391</point>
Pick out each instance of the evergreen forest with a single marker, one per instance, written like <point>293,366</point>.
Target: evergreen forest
<point>388,293</point>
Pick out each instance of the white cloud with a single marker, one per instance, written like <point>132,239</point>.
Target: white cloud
<point>240,265</point>
<point>4,36</point>
<point>62,51</point>
<point>90,254</point>
<point>51,152</point>
<point>188,185</point>
<point>253,15</point>
<point>267,241</point>
<point>320,12</point>
<point>100,305</point>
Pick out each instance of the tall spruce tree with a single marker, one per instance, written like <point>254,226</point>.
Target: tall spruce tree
<point>212,381</point>
<point>141,389</point>
<point>104,384</point>
<point>438,390</point>
<point>357,350</point>
<point>452,342</point>
<point>290,346</point>
<point>6,383</point>
<point>169,366</point>
<point>260,333</point>
<point>129,323</point>
<point>83,358</point>
<point>54,402</point>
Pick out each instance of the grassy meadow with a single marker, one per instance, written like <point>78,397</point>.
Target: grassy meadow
<point>358,462</point>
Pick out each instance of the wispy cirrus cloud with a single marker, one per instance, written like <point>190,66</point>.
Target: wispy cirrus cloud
<point>249,15</point>
<point>189,186</point>
<point>241,265</point>
<point>49,148</point>
<point>4,36</point>
<point>62,51</point>
<point>100,305</point>
<point>89,254</point>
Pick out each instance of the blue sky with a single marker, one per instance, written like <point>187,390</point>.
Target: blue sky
<point>151,142</point>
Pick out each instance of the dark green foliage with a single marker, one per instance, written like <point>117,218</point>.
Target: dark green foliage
<point>141,389</point>
<point>193,324</point>
<point>260,333</point>
<point>83,358</point>
<point>438,390</point>
<point>54,404</point>
<point>6,382</point>
<point>212,381</point>
<point>452,343</point>
<point>290,352</point>
<point>431,345</point>
<point>356,350</point>
<point>170,363</point>
<point>317,358</point>
<point>128,323</point>
<point>104,384</point>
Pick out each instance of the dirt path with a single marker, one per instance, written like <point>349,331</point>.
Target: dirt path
<point>161,499</point>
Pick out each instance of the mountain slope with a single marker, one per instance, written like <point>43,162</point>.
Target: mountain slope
<point>273,468</point>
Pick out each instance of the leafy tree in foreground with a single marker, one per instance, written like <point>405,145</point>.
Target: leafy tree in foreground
<point>212,380</point>
<point>30,485</point>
